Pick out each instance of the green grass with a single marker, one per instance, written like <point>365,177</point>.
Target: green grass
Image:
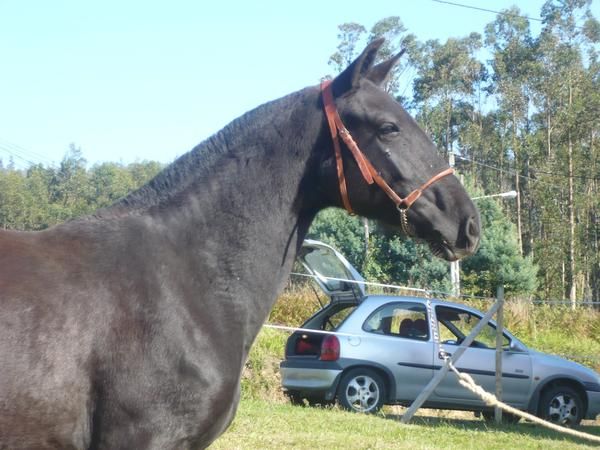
<point>262,424</point>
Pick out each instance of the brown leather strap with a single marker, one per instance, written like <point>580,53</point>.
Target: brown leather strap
<point>369,173</point>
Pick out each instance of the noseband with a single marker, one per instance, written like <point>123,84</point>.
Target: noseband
<point>337,129</point>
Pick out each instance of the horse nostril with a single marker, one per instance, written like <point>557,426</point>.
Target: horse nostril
<point>472,233</point>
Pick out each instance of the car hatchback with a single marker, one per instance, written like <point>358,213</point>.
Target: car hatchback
<point>369,350</point>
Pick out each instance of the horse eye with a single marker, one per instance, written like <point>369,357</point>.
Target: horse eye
<point>388,128</point>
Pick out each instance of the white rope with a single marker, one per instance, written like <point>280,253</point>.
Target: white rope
<point>308,330</point>
<point>441,293</point>
<point>363,283</point>
<point>490,399</point>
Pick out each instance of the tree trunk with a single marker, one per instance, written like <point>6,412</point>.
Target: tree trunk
<point>548,130</point>
<point>517,183</point>
<point>573,280</point>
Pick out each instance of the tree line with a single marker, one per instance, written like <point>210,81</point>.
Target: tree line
<point>41,196</point>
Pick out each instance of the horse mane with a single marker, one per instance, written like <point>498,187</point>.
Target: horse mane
<point>238,136</point>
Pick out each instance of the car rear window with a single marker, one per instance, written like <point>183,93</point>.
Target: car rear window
<point>330,317</point>
<point>401,319</point>
<point>336,319</point>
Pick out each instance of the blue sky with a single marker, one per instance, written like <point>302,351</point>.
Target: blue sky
<point>134,80</point>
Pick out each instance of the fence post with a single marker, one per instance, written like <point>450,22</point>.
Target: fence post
<point>499,351</point>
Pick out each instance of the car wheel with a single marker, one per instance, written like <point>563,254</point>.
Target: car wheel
<point>562,405</point>
<point>361,390</point>
<point>507,418</point>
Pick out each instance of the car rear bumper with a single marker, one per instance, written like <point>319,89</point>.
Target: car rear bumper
<point>310,377</point>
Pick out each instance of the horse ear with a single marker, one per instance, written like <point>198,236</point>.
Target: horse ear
<point>379,74</point>
<point>359,68</point>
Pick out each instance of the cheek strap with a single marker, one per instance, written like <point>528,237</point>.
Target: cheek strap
<point>370,175</point>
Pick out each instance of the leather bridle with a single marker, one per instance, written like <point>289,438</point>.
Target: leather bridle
<point>370,175</point>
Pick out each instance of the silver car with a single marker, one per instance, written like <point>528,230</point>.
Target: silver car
<point>383,352</point>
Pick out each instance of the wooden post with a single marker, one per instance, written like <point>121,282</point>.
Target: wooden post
<point>424,395</point>
<point>499,351</point>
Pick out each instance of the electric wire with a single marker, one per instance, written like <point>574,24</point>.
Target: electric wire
<point>502,13</point>
<point>426,292</point>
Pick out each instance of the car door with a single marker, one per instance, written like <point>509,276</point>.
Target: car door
<point>479,360</point>
<point>398,337</point>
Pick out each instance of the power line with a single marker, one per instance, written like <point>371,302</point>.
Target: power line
<point>510,172</point>
<point>12,155</point>
<point>537,180</point>
<point>428,292</point>
<point>29,157</point>
<point>502,13</point>
<point>23,150</point>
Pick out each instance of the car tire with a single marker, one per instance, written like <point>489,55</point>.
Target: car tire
<point>507,418</point>
<point>361,390</point>
<point>562,405</point>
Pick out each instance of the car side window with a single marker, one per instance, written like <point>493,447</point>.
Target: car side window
<point>401,319</point>
<point>456,324</point>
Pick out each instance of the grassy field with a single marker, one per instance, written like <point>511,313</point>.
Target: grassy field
<point>261,424</point>
<point>266,420</point>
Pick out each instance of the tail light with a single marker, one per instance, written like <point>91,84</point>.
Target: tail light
<point>330,348</point>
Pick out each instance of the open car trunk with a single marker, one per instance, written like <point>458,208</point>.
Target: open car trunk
<point>340,282</point>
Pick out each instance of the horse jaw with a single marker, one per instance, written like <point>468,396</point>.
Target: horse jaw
<point>465,244</point>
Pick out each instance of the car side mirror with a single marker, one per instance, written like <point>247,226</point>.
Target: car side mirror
<point>515,347</point>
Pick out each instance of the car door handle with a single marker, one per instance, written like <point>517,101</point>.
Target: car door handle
<point>443,354</point>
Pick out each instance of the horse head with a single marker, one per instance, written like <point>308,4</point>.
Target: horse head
<point>387,168</point>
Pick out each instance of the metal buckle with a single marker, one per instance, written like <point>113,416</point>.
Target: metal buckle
<point>404,225</point>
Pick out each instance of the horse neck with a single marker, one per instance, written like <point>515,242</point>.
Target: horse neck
<point>229,217</point>
<point>249,182</point>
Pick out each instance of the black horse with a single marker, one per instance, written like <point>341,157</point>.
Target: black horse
<point>130,328</point>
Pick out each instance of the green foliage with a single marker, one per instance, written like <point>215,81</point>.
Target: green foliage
<point>43,196</point>
<point>392,258</point>
<point>389,257</point>
<point>498,260</point>
<point>342,231</point>
<point>260,377</point>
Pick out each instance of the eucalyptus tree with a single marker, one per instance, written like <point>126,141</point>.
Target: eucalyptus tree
<point>565,46</point>
<point>447,76</point>
<point>513,63</point>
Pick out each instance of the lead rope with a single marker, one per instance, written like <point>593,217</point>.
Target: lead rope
<point>490,399</point>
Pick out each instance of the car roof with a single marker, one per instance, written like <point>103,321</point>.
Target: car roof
<point>376,300</point>
<point>385,298</point>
